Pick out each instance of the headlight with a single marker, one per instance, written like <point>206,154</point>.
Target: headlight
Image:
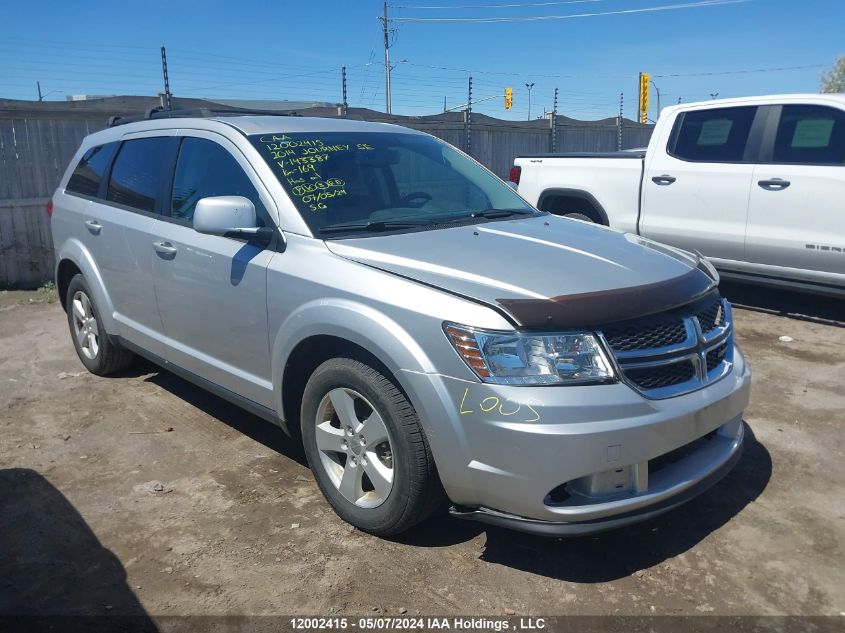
<point>531,359</point>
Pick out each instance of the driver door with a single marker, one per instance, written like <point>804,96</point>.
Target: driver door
<point>212,290</point>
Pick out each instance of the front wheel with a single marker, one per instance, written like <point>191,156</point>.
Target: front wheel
<point>366,448</point>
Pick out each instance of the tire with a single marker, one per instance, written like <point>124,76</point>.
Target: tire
<point>579,216</point>
<point>381,478</point>
<point>96,350</point>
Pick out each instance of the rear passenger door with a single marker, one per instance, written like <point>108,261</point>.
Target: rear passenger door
<point>697,181</point>
<point>212,290</point>
<point>118,229</point>
<point>796,220</point>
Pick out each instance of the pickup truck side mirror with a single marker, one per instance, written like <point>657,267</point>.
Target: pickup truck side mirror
<point>222,215</point>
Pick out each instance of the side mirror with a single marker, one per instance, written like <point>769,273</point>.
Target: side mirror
<point>220,215</point>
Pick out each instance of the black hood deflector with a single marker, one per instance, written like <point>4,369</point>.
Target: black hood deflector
<point>594,309</point>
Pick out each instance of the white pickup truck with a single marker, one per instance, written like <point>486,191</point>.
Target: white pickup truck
<point>755,184</point>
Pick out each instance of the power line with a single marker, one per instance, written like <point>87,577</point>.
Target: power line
<point>493,6</point>
<point>539,18</point>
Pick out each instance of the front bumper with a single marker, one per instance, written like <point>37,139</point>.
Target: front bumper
<point>577,460</point>
<point>641,512</point>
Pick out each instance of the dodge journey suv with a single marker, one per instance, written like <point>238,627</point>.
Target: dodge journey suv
<point>422,330</point>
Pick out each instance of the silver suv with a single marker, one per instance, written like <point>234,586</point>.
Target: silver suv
<point>424,331</point>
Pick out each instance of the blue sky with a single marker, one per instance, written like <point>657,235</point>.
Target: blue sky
<point>294,50</point>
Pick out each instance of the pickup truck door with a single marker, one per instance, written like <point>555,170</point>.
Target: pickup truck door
<point>212,290</point>
<point>796,216</point>
<point>697,181</point>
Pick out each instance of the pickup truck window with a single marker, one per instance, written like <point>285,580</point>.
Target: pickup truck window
<point>389,179</point>
<point>717,135</point>
<point>810,135</point>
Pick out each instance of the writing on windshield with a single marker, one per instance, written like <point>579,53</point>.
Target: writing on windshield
<point>301,163</point>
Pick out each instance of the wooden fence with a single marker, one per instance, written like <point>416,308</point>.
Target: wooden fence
<point>37,140</point>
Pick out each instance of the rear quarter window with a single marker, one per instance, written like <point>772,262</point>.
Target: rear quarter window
<point>88,175</point>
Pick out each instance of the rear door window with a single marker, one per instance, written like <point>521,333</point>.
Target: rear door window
<point>139,171</point>
<point>204,169</point>
<point>88,174</point>
<point>810,135</point>
<point>719,135</point>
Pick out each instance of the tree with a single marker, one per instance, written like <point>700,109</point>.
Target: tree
<point>834,81</point>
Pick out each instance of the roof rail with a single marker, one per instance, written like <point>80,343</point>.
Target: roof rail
<point>203,113</point>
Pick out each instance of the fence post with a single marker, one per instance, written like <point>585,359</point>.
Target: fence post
<point>468,120</point>
<point>619,122</point>
<point>167,95</point>
<point>343,79</point>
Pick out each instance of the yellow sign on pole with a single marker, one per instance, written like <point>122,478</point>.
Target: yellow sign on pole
<point>645,84</point>
<point>508,98</point>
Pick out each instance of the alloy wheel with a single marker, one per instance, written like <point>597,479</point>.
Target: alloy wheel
<point>85,326</point>
<point>355,448</point>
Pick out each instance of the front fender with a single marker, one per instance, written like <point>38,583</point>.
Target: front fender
<point>74,250</point>
<point>356,322</point>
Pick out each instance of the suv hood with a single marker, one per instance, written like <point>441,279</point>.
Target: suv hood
<point>544,271</point>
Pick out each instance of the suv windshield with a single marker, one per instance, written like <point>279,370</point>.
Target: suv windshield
<point>367,182</point>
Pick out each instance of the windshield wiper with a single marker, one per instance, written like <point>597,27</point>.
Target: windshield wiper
<point>385,225</point>
<point>499,213</point>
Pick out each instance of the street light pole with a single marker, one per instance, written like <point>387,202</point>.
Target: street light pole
<point>657,90</point>
<point>529,86</point>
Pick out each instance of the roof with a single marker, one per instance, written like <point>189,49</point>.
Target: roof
<point>262,124</point>
<point>810,97</point>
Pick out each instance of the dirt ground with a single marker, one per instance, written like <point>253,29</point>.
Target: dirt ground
<point>142,494</point>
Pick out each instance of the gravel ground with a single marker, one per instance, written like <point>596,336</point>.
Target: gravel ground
<point>142,494</point>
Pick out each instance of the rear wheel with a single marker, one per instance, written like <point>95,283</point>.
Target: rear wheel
<point>366,448</point>
<point>95,349</point>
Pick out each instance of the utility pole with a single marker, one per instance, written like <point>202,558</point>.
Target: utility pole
<point>713,95</point>
<point>444,103</point>
<point>619,120</point>
<point>386,60</point>
<point>554,124</point>
<point>529,86</point>
<point>343,80</point>
<point>468,119</point>
<point>167,102</point>
<point>40,98</point>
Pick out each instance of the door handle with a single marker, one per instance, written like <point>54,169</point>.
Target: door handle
<point>94,226</point>
<point>775,184</point>
<point>665,179</point>
<point>165,248</point>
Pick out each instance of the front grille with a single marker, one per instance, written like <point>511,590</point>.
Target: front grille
<point>711,317</point>
<point>674,352</point>
<point>627,337</point>
<point>716,356</point>
<point>661,375</point>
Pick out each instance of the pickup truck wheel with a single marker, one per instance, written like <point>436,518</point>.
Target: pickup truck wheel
<point>579,216</point>
<point>95,349</point>
<point>366,449</point>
